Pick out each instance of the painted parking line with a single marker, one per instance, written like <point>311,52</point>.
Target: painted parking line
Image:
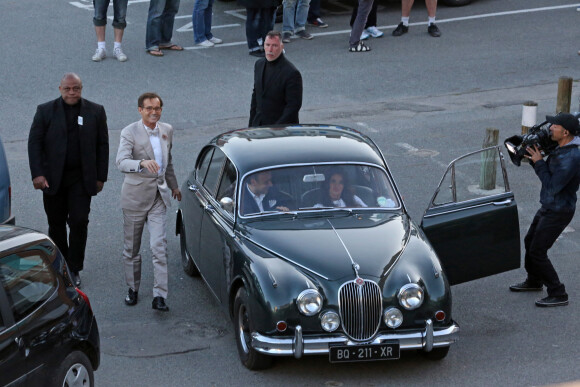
<point>189,26</point>
<point>237,13</point>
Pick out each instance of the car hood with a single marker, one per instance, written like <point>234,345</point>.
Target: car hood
<point>328,246</point>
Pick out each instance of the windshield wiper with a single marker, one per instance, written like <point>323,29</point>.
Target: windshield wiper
<point>268,213</point>
<point>324,211</point>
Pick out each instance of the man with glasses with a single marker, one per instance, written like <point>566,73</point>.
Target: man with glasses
<point>144,156</point>
<point>68,152</point>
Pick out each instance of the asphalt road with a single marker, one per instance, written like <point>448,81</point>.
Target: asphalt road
<point>425,101</point>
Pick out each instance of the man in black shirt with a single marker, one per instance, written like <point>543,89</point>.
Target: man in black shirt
<point>68,153</point>
<point>277,95</point>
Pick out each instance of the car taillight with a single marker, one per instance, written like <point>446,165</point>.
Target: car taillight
<point>85,297</point>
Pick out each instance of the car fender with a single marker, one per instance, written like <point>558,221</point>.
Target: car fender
<point>272,283</point>
<point>418,263</point>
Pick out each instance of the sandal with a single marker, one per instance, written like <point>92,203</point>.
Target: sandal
<point>173,47</point>
<point>361,47</point>
<point>155,52</point>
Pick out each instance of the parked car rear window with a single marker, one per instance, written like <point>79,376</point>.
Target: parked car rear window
<point>27,280</point>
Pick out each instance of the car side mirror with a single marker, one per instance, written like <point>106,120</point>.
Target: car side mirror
<point>227,203</point>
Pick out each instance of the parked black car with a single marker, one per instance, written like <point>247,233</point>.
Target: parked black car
<point>6,216</point>
<point>332,263</point>
<point>48,333</point>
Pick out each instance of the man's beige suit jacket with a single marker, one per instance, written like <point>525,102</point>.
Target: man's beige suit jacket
<point>140,186</point>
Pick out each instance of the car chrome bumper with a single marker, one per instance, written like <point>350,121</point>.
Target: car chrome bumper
<point>300,344</point>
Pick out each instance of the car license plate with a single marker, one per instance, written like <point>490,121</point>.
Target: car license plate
<point>368,352</point>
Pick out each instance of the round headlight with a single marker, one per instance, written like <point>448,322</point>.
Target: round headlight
<point>393,317</point>
<point>309,302</point>
<point>411,296</point>
<point>330,321</point>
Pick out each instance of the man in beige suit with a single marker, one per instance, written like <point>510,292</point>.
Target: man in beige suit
<point>145,157</point>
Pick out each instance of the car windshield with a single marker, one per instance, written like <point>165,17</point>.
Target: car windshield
<point>316,188</point>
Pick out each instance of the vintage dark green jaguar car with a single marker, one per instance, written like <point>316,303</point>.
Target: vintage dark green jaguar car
<point>302,236</point>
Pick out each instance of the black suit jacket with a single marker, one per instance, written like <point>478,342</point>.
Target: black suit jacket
<point>281,100</point>
<point>47,144</point>
<point>272,200</point>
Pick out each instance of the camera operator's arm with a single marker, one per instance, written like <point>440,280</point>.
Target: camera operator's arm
<point>555,180</point>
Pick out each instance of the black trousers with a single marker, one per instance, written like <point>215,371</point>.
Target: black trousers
<point>71,205</point>
<point>543,232</point>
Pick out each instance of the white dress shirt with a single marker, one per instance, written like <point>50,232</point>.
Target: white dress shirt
<point>156,145</point>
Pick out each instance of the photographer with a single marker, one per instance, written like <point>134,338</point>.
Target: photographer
<point>560,177</point>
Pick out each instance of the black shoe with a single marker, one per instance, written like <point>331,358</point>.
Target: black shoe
<point>159,304</point>
<point>433,30</point>
<point>132,297</point>
<point>401,29</point>
<point>76,278</point>
<point>526,287</point>
<point>258,53</point>
<point>553,301</point>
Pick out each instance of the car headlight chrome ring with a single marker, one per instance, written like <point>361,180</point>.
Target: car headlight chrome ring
<point>393,317</point>
<point>411,296</point>
<point>309,302</point>
<point>330,321</point>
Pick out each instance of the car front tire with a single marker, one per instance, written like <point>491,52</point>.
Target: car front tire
<point>243,326</point>
<point>75,371</point>
<point>186,262</point>
<point>436,353</point>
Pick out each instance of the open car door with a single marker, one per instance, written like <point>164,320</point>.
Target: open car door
<point>472,220</point>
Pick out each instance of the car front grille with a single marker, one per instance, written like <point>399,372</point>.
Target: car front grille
<point>360,309</point>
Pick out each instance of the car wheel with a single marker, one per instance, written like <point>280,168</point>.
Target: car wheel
<point>436,353</point>
<point>186,262</point>
<point>243,326</point>
<point>75,371</point>
<point>456,3</point>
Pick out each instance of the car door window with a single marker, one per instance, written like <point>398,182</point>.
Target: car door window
<point>27,280</point>
<point>472,176</point>
<point>227,186</point>
<point>214,171</point>
<point>203,165</point>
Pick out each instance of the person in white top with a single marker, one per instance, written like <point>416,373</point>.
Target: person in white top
<point>338,193</point>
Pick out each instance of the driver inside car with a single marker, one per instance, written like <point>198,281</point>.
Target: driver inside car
<point>260,195</point>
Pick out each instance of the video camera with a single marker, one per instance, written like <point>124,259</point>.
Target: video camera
<point>538,135</point>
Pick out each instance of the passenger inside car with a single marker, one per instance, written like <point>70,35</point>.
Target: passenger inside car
<point>337,192</point>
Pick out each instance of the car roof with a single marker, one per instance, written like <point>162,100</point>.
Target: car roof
<point>13,236</point>
<point>256,148</point>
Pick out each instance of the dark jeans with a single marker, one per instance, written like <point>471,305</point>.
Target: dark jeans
<point>160,22</point>
<point>544,230</point>
<point>314,10</point>
<point>119,13</point>
<point>70,205</point>
<point>372,18</point>
<point>259,21</point>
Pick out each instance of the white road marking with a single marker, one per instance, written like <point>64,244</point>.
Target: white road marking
<point>406,146</point>
<point>189,27</point>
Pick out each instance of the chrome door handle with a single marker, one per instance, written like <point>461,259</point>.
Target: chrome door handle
<point>193,188</point>
<point>504,203</point>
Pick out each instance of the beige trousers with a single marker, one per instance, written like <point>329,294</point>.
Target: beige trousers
<point>133,224</point>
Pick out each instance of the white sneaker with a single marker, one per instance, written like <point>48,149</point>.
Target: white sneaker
<point>119,54</point>
<point>215,40</point>
<point>375,32</point>
<point>206,43</point>
<point>100,54</point>
<point>364,36</point>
